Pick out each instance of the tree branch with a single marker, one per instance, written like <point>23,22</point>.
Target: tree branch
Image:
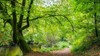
<point>54,15</point>
<point>1,8</point>
<point>27,19</point>
<point>21,15</point>
<point>37,18</point>
<point>5,13</point>
<point>14,26</point>
<point>58,21</point>
<point>70,23</point>
<point>46,15</point>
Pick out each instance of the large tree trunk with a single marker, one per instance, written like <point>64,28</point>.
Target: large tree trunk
<point>19,40</point>
<point>22,44</point>
<point>17,33</point>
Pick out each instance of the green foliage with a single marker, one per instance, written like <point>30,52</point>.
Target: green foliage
<point>57,46</point>
<point>61,45</point>
<point>81,45</point>
<point>13,51</point>
<point>71,21</point>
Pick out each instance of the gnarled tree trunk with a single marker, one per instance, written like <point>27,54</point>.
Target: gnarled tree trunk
<point>19,40</point>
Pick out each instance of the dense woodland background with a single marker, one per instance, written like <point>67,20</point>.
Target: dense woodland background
<point>50,25</point>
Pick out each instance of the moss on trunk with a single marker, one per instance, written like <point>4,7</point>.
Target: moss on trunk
<point>21,42</point>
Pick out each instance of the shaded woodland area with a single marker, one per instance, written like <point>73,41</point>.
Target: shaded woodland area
<point>49,27</point>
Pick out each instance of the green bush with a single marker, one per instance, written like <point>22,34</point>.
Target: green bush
<point>81,44</point>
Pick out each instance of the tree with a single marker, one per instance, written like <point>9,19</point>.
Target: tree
<point>65,17</point>
<point>19,18</point>
<point>17,24</point>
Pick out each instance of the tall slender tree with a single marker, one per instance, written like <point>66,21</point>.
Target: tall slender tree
<point>95,19</point>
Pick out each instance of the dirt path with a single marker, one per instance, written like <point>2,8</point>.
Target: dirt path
<point>64,52</point>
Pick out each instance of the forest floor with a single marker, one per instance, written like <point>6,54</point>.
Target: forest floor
<point>94,51</point>
<point>64,52</point>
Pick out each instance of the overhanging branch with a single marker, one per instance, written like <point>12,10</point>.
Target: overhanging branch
<point>70,23</point>
<point>46,15</point>
<point>55,16</point>
<point>58,21</point>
